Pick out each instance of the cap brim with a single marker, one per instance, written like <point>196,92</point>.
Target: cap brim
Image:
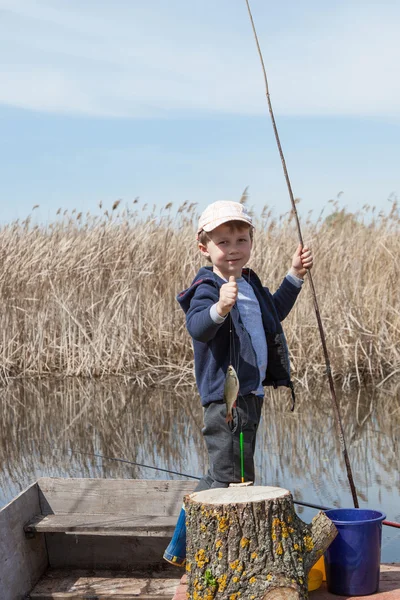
<point>214,224</point>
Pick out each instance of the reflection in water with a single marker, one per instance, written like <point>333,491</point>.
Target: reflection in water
<point>42,422</point>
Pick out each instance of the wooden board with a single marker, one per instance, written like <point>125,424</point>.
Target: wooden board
<point>98,596</point>
<point>22,561</point>
<point>104,552</point>
<point>103,525</point>
<point>112,496</point>
<point>63,585</point>
<point>389,587</point>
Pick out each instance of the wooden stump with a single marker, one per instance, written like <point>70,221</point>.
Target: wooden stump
<point>248,543</point>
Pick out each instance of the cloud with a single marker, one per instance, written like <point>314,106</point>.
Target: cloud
<point>163,59</point>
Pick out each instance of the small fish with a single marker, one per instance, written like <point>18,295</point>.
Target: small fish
<point>231,390</point>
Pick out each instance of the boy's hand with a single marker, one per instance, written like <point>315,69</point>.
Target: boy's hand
<point>227,296</point>
<point>302,261</point>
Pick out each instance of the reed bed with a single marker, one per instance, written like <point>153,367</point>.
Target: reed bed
<point>94,296</point>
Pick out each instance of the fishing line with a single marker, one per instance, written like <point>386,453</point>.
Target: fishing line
<point>335,404</point>
<point>236,367</point>
<point>231,341</point>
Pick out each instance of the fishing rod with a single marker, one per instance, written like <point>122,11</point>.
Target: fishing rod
<point>335,404</point>
<point>136,464</point>
<point>129,462</point>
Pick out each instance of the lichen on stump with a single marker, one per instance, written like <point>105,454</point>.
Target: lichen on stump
<point>247,543</point>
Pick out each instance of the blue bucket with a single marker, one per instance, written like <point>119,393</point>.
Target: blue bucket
<point>353,559</point>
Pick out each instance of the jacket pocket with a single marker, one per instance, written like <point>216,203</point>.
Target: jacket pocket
<point>278,367</point>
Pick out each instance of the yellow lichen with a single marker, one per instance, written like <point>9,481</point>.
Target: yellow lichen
<point>203,527</point>
<point>273,536</point>
<point>219,555</point>
<point>269,577</point>
<point>253,555</point>
<point>296,546</point>
<point>252,580</point>
<point>235,579</point>
<point>279,549</point>
<point>218,544</point>
<point>300,580</point>
<point>201,558</point>
<point>221,583</point>
<point>234,564</point>
<point>276,522</point>
<point>308,543</point>
<point>239,568</point>
<point>223,524</point>
<point>244,542</point>
<point>188,566</point>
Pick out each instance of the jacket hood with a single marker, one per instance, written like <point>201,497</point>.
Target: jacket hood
<point>204,275</point>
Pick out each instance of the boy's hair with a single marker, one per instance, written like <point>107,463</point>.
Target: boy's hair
<point>204,238</point>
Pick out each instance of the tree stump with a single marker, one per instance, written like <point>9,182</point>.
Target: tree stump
<point>247,543</point>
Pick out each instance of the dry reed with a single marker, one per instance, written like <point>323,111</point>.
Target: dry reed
<point>95,295</point>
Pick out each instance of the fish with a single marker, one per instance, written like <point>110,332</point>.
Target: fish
<point>231,390</point>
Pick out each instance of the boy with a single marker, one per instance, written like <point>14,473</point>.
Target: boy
<point>232,319</point>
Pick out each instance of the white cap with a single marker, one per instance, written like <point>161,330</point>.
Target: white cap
<point>221,212</point>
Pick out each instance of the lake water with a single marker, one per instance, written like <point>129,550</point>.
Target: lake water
<point>46,427</point>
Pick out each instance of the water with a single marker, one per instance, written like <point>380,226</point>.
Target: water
<point>44,424</point>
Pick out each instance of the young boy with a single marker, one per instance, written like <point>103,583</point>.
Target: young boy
<point>233,319</point>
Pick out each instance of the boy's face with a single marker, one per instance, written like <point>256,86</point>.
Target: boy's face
<point>229,249</point>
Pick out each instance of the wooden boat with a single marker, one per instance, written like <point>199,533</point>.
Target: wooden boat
<point>90,538</point>
<point>102,539</point>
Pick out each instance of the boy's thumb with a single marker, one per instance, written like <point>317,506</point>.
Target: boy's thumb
<point>232,279</point>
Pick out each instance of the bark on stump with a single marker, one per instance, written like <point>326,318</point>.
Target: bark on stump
<point>247,543</point>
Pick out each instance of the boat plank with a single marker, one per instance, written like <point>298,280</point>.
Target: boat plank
<point>98,596</point>
<point>102,524</point>
<point>22,561</point>
<point>62,585</point>
<point>74,551</point>
<point>389,587</point>
<point>115,496</point>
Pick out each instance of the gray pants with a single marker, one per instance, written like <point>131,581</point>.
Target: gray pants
<point>222,441</point>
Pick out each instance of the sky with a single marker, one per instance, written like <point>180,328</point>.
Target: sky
<point>165,100</point>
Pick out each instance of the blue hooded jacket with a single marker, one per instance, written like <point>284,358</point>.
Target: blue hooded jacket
<point>212,342</point>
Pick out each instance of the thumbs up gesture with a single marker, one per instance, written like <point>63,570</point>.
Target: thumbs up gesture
<point>227,296</point>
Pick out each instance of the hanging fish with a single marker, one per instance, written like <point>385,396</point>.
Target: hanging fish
<point>231,390</point>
